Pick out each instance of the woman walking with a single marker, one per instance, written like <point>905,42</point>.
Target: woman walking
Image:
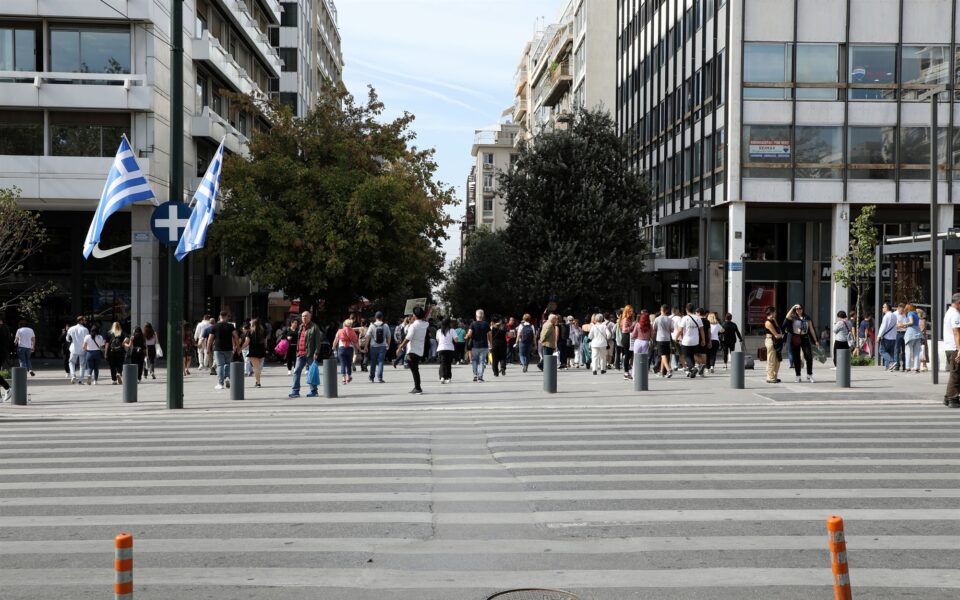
<point>93,346</point>
<point>728,339</point>
<point>344,344</point>
<point>188,347</point>
<point>116,352</point>
<point>716,331</point>
<point>802,334</point>
<point>842,335</point>
<point>773,341</point>
<point>292,335</point>
<point>255,343</point>
<point>924,350</point>
<point>152,341</point>
<point>446,349</point>
<point>912,339</point>
<point>663,326</point>
<point>640,337</point>
<point>624,341</point>
<point>136,347</point>
<point>599,342</point>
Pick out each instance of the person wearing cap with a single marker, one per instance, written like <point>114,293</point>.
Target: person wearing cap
<point>378,340</point>
<point>951,342</point>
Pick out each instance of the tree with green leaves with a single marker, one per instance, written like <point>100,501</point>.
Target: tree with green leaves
<point>859,264</point>
<point>483,278</point>
<point>334,207</point>
<point>574,211</point>
<point>22,236</point>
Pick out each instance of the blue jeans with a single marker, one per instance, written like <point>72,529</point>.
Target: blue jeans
<point>24,354</point>
<point>901,349</point>
<point>345,357</point>
<point>524,353</point>
<point>223,364</point>
<point>92,359</point>
<point>303,362</point>
<point>479,360</point>
<point>378,355</point>
<point>887,349</point>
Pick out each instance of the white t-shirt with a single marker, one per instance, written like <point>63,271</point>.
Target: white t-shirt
<point>417,335</point>
<point>715,332</point>
<point>445,342</point>
<point>951,321</point>
<point>691,331</point>
<point>25,337</point>
<point>664,327</point>
<point>76,334</point>
<point>599,335</point>
<point>90,344</point>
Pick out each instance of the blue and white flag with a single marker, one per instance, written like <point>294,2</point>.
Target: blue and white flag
<point>204,209</point>
<point>125,185</point>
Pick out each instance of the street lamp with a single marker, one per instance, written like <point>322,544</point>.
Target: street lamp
<point>935,266</point>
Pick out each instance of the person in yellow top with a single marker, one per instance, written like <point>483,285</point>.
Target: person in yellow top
<point>548,338</point>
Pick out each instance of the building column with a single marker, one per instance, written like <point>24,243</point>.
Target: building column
<point>839,246</point>
<point>144,270</point>
<point>949,272</point>
<point>737,215</point>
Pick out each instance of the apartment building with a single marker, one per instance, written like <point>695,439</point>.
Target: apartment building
<point>308,41</point>
<point>764,125</point>
<point>77,74</point>
<point>493,151</point>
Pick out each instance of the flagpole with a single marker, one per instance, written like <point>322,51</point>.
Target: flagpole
<point>174,267</point>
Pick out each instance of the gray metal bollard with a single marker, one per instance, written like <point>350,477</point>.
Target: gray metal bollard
<point>328,378</point>
<point>129,376</point>
<point>18,386</point>
<point>550,374</point>
<point>737,375</point>
<point>236,381</point>
<point>641,372</point>
<point>843,368</point>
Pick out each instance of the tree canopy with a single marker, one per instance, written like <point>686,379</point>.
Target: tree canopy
<point>574,211</point>
<point>21,237</point>
<point>483,278</point>
<point>335,206</point>
<point>859,263</point>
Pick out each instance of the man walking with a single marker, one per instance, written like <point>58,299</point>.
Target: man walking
<point>78,363</point>
<point>951,342</point>
<point>479,339</point>
<point>690,335</point>
<point>414,344</point>
<point>26,341</point>
<point>378,338</point>
<point>308,351</point>
<point>549,336</point>
<point>199,341</point>
<point>223,342</point>
<point>887,337</point>
<point>900,355</point>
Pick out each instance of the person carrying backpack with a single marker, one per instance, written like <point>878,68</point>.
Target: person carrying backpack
<point>525,339</point>
<point>116,352</point>
<point>400,334</point>
<point>378,339</point>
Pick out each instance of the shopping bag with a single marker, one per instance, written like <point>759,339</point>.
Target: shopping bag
<point>819,354</point>
<point>313,374</point>
<point>159,351</point>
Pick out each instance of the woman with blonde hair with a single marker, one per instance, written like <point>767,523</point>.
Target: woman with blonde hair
<point>116,352</point>
<point>343,344</point>
<point>599,341</point>
<point>626,324</point>
<point>912,338</point>
<point>716,330</point>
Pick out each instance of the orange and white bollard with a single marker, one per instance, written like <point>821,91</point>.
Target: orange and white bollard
<point>838,559</point>
<point>123,565</point>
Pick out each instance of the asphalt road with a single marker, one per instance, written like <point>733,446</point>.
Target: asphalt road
<point>690,491</point>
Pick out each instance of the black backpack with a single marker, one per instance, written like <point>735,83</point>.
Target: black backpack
<point>526,334</point>
<point>116,343</point>
<point>379,336</point>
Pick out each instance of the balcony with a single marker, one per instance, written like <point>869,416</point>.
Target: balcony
<point>257,38</point>
<point>207,49</point>
<point>273,10</point>
<point>72,182</point>
<point>560,81</point>
<point>520,106</point>
<point>520,79</point>
<point>212,126</point>
<point>28,89</point>
<point>137,10</point>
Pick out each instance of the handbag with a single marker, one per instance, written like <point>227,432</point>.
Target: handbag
<point>313,375</point>
<point>819,354</point>
<point>159,351</point>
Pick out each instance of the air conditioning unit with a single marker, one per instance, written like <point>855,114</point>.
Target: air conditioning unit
<point>487,166</point>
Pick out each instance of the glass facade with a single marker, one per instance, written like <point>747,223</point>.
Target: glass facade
<point>89,50</point>
<point>18,49</point>
<point>819,152</point>
<point>766,63</point>
<point>870,66</point>
<point>817,64</point>
<point>87,134</point>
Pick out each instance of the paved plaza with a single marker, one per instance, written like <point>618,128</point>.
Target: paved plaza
<point>691,490</point>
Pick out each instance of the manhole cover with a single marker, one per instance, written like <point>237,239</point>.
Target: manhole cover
<point>534,594</point>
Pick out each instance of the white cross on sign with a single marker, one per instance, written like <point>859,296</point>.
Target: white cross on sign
<point>172,223</point>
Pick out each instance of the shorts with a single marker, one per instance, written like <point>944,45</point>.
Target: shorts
<point>664,348</point>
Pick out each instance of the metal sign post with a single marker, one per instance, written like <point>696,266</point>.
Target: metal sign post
<point>174,267</point>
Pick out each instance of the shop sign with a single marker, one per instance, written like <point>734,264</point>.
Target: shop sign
<point>770,149</point>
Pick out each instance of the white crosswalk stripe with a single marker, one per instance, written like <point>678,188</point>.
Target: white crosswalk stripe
<point>430,503</point>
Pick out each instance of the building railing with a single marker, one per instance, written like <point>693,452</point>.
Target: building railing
<point>560,70</point>
<point>38,78</point>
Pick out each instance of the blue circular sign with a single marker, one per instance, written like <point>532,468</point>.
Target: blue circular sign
<point>168,222</point>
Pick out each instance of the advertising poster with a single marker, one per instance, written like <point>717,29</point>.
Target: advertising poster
<point>770,149</point>
<point>761,296</point>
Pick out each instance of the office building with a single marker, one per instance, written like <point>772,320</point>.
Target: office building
<point>308,41</point>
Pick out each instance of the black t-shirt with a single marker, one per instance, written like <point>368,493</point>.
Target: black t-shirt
<point>479,330</point>
<point>499,338</point>
<point>223,336</point>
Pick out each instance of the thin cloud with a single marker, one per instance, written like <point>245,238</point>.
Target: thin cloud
<point>429,92</point>
<point>446,84</point>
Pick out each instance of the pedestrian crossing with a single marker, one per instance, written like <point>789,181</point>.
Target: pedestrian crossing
<point>431,503</point>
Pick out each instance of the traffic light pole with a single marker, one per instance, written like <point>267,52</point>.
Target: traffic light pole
<point>175,267</point>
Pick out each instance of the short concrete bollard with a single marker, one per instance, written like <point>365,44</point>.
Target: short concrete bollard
<point>129,376</point>
<point>236,381</point>
<point>843,368</point>
<point>737,375</point>
<point>550,374</point>
<point>18,386</point>
<point>123,566</point>
<point>641,373</point>
<point>328,378</point>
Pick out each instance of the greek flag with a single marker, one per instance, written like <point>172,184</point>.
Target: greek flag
<point>125,185</point>
<point>204,209</point>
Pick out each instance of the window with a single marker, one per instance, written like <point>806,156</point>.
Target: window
<point>873,65</point>
<point>871,152</point>
<point>21,133</point>
<point>289,58</point>
<point>766,63</point>
<point>288,18</point>
<point>488,205</point>
<point>819,152</point>
<point>817,63</point>
<point>488,158</point>
<point>924,66</point>
<point>18,49</point>
<point>915,152</point>
<point>766,151</point>
<point>488,182</point>
<point>89,51</point>
<point>87,134</point>
<point>202,93</point>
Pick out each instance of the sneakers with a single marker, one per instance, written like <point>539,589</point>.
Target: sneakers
<point>475,378</point>
<point>711,370</point>
<point>810,379</point>
<point>32,374</point>
<point>594,372</point>
<point>227,384</point>
<point>73,379</point>
<point>480,380</point>
<point>669,374</point>
<point>799,380</point>
<point>313,395</point>
<point>416,391</point>
<point>4,394</point>
<point>218,387</point>
<point>773,381</point>
<point>380,381</point>
<point>293,395</point>
<point>289,372</point>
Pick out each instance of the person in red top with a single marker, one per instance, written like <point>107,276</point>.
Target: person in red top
<point>345,344</point>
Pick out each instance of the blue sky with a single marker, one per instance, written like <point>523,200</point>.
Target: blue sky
<point>449,62</point>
